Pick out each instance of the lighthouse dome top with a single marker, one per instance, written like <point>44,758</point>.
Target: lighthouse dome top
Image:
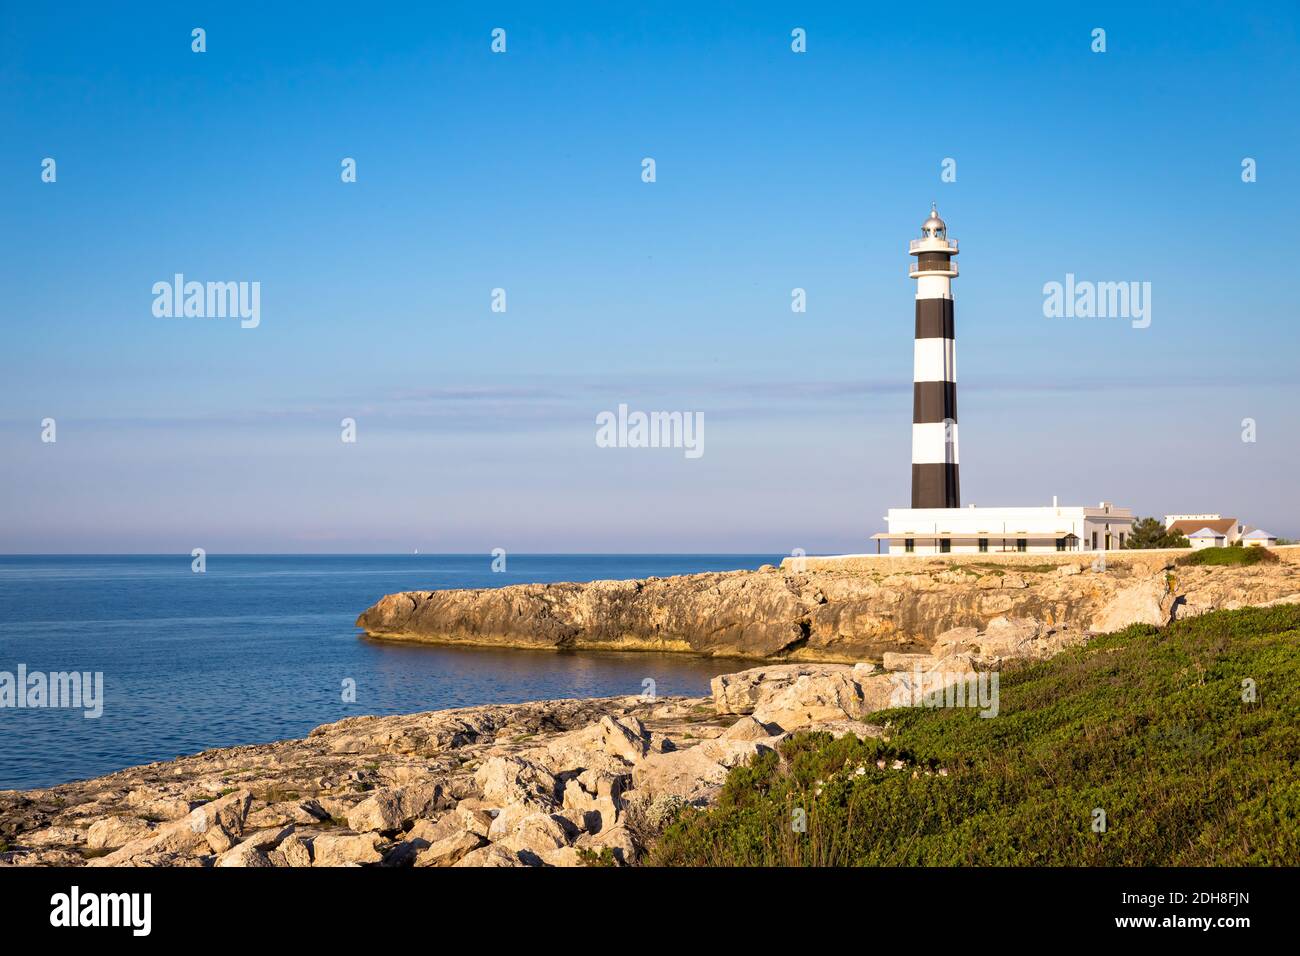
<point>934,227</point>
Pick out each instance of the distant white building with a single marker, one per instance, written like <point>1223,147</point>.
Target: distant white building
<point>1259,539</point>
<point>1230,528</point>
<point>975,530</point>
<point>1208,538</point>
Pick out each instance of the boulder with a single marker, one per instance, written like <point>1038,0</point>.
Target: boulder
<point>596,798</point>
<point>748,728</point>
<point>345,849</point>
<point>507,780</point>
<point>504,822</point>
<point>431,831</point>
<point>537,833</point>
<point>394,808</point>
<point>294,851</point>
<point>694,775</point>
<point>491,855</point>
<point>150,802</point>
<point>212,827</point>
<point>473,819</point>
<point>740,693</point>
<point>624,737</point>
<point>1007,637</point>
<point>114,832</point>
<point>1146,602</point>
<point>280,814</point>
<point>562,856</point>
<point>51,837</point>
<point>812,699</point>
<point>244,855</point>
<point>450,850</point>
<point>618,840</point>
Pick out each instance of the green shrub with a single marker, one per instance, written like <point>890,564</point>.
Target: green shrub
<point>1228,556</point>
<point>589,857</point>
<point>1148,725</point>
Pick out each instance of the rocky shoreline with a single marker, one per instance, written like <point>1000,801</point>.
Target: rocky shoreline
<point>563,783</point>
<point>828,609</point>
<point>555,783</point>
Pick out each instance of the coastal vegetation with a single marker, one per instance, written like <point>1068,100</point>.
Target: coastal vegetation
<point>1236,556</point>
<point>1146,747</point>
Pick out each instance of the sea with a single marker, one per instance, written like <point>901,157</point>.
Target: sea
<point>259,648</point>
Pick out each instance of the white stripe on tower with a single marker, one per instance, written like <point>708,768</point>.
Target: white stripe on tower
<point>934,403</point>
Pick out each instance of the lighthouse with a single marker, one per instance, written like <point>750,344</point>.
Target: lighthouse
<point>936,523</point>
<point>934,379</point>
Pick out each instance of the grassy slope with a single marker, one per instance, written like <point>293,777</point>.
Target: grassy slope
<point>1147,724</point>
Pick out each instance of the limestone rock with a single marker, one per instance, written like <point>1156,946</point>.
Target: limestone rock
<point>287,812</point>
<point>537,833</point>
<point>619,840</point>
<point>811,699</point>
<point>907,662</point>
<point>562,856</point>
<point>294,851</point>
<point>693,775</point>
<point>624,737</point>
<point>1147,602</point>
<point>150,802</point>
<point>739,693</point>
<point>113,832</point>
<point>450,850</point>
<point>1005,637</point>
<point>243,855</point>
<point>52,836</point>
<point>957,640</point>
<point>506,780</point>
<point>491,855</point>
<point>747,728</point>
<point>212,827</point>
<point>395,807</point>
<point>345,849</point>
<point>838,609</point>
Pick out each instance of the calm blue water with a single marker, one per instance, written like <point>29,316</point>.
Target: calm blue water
<point>257,648</point>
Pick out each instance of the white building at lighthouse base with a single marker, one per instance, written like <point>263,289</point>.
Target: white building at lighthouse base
<point>974,530</point>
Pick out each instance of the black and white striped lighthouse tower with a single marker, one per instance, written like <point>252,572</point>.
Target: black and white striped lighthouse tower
<point>934,379</point>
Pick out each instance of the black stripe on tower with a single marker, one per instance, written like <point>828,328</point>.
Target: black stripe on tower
<point>935,486</point>
<point>934,319</point>
<point>934,402</point>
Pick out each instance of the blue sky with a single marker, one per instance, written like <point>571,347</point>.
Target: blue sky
<point>522,171</point>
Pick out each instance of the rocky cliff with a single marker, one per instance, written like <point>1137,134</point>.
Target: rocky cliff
<point>848,609</point>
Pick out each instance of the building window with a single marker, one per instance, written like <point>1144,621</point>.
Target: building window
<point>984,544</point>
<point>1094,541</point>
<point>1022,544</point>
<point>909,545</point>
<point>1060,544</point>
<point>1121,539</point>
<point>945,545</point>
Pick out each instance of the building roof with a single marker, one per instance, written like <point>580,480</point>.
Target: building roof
<point>1221,525</point>
<point>1206,533</point>
<point>1260,533</point>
